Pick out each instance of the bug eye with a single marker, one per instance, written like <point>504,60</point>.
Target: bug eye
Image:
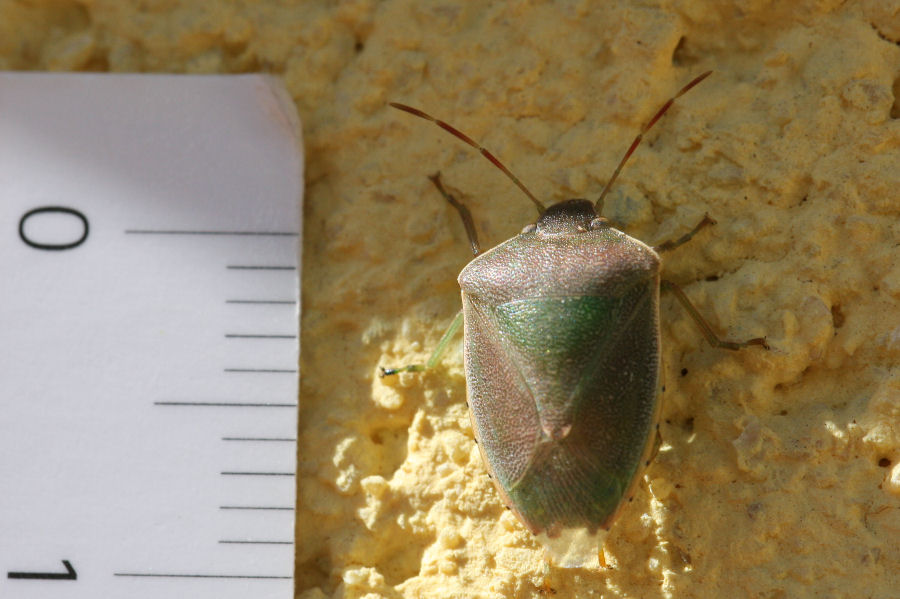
<point>599,223</point>
<point>529,228</point>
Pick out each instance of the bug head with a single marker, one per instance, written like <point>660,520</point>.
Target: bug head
<point>567,216</point>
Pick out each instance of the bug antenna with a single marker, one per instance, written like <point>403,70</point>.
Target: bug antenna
<point>637,140</point>
<point>484,151</point>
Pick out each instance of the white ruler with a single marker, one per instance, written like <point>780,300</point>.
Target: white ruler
<point>149,268</point>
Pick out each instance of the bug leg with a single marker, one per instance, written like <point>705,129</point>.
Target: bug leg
<point>701,323</point>
<point>464,213</point>
<point>674,243</point>
<point>436,355</point>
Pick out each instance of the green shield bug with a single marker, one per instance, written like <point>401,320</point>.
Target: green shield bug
<point>561,342</point>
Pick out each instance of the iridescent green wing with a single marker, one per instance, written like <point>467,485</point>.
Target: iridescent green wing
<point>567,426</point>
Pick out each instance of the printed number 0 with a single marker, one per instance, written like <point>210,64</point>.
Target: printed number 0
<point>54,246</point>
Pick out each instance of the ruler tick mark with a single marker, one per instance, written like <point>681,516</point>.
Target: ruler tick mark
<point>263,370</point>
<point>237,542</point>
<point>224,404</point>
<point>249,301</point>
<point>174,575</point>
<point>274,508</point>
<point>285,439</point>
<point>259,336</point>
<point>242,473</point>
<point>210,232</point>
<point>258,267</point>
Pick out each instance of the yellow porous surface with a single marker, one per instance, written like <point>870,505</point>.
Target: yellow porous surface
<point>778,472</point>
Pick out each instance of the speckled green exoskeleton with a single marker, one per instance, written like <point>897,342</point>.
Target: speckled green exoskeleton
<point>562,360</point>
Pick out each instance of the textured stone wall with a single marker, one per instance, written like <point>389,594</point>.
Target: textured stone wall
<point>779,472</point>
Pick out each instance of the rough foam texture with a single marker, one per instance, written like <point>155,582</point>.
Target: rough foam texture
<point>779,472</point>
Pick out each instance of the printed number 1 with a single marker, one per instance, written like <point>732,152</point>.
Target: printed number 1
<point>69,574</point>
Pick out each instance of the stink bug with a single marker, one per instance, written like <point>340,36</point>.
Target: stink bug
<point>561,340</point>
